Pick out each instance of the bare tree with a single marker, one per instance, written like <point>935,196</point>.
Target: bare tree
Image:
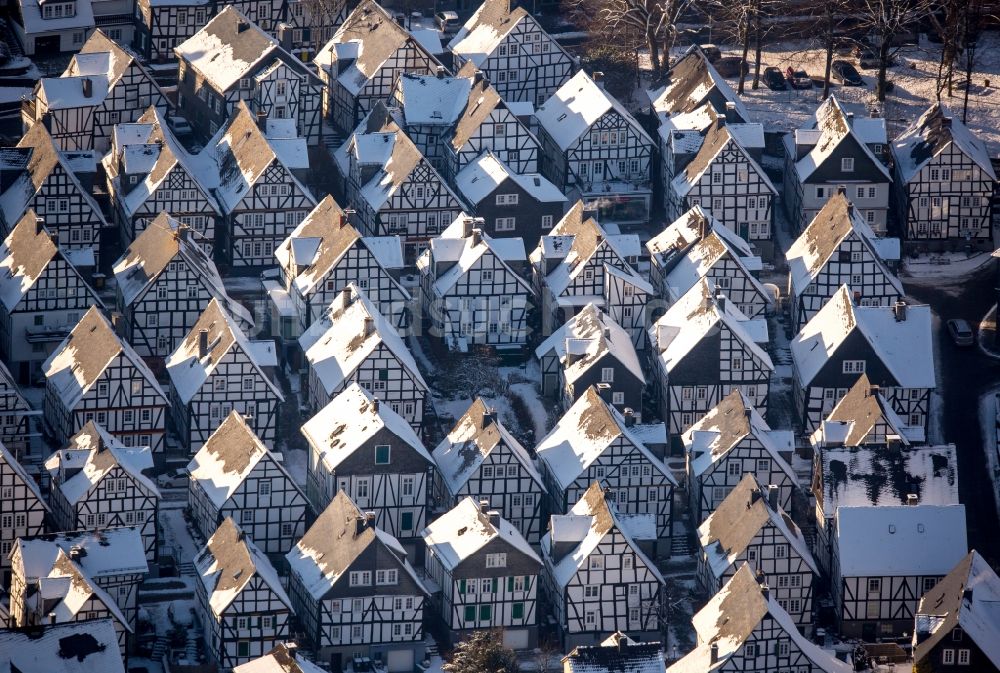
<point>885,21</point>
<point>321,16</point>
<point>948,21</point>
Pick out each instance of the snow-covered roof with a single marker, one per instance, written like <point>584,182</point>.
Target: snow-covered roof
<point>837,220</point>
<point>72,647</point>
<point>59,93</point>
<point>723,428</point>
<point>228,562</point>
<point>905,347</point>
<point>474,436</point>
<point>729,530</point>
<point>284,658</point>
<point>615,654</point>
<point>464,530</point>
<point>93,453</point>
<point>719,136</point>
<point>834,125</point>
<point>350,331</point>
<point>352,418</point>
<point>227,457</point>
<point>576,106</point>
<point>486,29</point>
<point>340,534</point>
<point>81,359</point>
<point>854,417</point>
<point>109,552</point>
<point>701,257</point>
<point>688,229</point>
<point>586,338</point>
<point>189,370</point>
<point>933,133</point>
<point>694,316</point>
<point>466,250</point>
<point>31,17</point>
<point>486,173</point>
<point>586,525</point>
<point>582,435</point>
<point>18,469</point>
<point>968,598</point>
<point>900,540</point>
<point>692,84</point>
<point>730,618</point>
<point>228,48</point>
<point>430,100</point>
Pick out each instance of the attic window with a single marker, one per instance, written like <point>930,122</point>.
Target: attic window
<point>847,164</point>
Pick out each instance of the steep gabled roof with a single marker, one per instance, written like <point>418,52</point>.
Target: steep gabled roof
<point>229,47</point>
<point>468,444</point>
<point>717,138</point>
<point>6,457</point>
<point>616,654</point>
<point>811,251</point>
<point>701,257</point>
<point>82,357</point>
<point>99,554</point>
<point>284,658</point>
<point>71,647</point>
<point>228,562</point>
<point>589,336</point>
<point>486,29</point>
<point>461,532</point>
<point>693,83</point>
<point>856,414</point>
<point>905,347</point>
<point>454,245</point>
<point>576,106</point>
<point>482,176</point>
<point>927,137</point>
<point>834,127</point>
<point>433,100</point>
<point>482,99</point>
<point>687,230</point>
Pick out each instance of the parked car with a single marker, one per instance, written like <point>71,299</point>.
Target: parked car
<point>774,80</point>
<point>731,66</point>
<point>447,22</point>
<point>960,332</point>
<point>798,78</point>
<point>867,57</point>
<point>180,126</point>
<point>846,74</point>
<point>177,478</point>
<point>712,52</point>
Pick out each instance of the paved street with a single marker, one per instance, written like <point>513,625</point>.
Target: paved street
<point>965,375</point>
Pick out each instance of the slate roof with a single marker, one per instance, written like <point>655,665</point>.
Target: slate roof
<point>932,133</point>
<point>717,137</point>
<point>856,414</point>
<point>615,654</point>
<point>284,658</point>
<point>485,30</point>
<point>692,83</point>
<point>73,647</point>
<point>464,530</point>
<point>833,126</point>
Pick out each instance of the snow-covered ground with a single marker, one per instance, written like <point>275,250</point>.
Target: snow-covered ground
<point>988,418</point>
<point>931,269</point>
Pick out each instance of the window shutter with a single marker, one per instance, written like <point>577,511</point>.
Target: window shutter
<point>510,583</point>
<point>461,586</point>
<point>494,585</point>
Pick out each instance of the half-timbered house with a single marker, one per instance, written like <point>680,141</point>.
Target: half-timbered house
<point>877,475</point>
<point>362,447</point>
<point>48,585</point>
<point>615,654</point>
<point>217,370</point>
<point>235,476</point>
<point>231,59</point>
<point>750,527</point>
<point>94,375</point>
<point>258,187</point>
<point>244,609</point>
<point>726,180</point>
<point>428,106</point>
<point>149,172</point>
<point>363,59</point>
<point>165,280</point>
<point>353,342</point>
<point>697,246</point>
<point>944,182</point>
<point>596,577</point>
<point>22,509</point>
<point>839,248</point>
<point>474,290</point>
<point>15,414</point>
<point>45,645</point>
<point>523,62</point>
<point>703,349</point>
<point>161,25</point>
<point>487,572</point>
<point>96,482</point>
<point>480,459</point>
<point>56,186</point>
<point>885,558</point>
<point>579,262</point>
<point>836,150</point>
<point>103,85</point>
<point>595,150</point>
<point>592,348</point>
<point>325,253</point>
<point>394,188</point>
<point>355,592</point>
<point>956,627</point>
<point>41,31</point>
<point>732,440</point>
<point>509,203</point>
<point>743,628</point>
<point>284,658</point>
<point>893,345</point>
<point>592,442</point>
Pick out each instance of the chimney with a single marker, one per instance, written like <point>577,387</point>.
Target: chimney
<point>772,496</point>
<point>88,87</point>
<point>629,415</point>
<point>720,301</point>
<point>292,649</point>
<point>598,78</point>
<point>242,26</point>
<point>369,325</point>
<point>74,553</point>
<point>375,405</point>
<point>850,119</point>
<point>899,311</point>
<point>248,419</point>
<point>477,236</point>
<point>850,210</point>
<point>118,323</point>
<point>467,227</point>
<point>967,595</point>
<point>285,36</point>
<point>54,237</point>
<point>39,225</point>
<point>370,519</point>
<point>731,111</point>
<point>912,499</point>
<point>754,496</point>
<point>347,297</point>
<point>484,506</point>
<point>202,343</point>
<point>440,72</point>
<point>620,642</point>
<point>747,413</point>
<point>946,122</point>
<point>489,417</point>
<point>345,218</point>
<point>494,517</point>
<point>893,442</point>
<point>842,190</point>
<point>765,591</point>
<point>478,78</point>
<point>604,390</point>
<point>183,232</point>
<point>607,332</point>
<point>702,227</point>
<point>714,653</point>
<point>52,618</point>
<point>241,535</point>
<point>359,524</point>
<point>262,120</point>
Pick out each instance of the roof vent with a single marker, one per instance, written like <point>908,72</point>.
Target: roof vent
<point>899,311</point>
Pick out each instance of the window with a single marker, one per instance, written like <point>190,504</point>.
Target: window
<point>596,563</point>
<point>847,164</point>
<point>963,657</point>
<point>246,516</point>
<point>737,363</point>
<point>248,383</point>
<point>485,613</point>
<point>780,551</point>
<point>750,650</point>
<point>853,367</point>
<point>590,618</point>
<point>930,583</point>
<point>820,192</point>
<point>874,585</point>
<point>102,388</point>
<point>362,489</point>
<point>470,613</point>
<point>546,221</point>
<point>607,374</point>
<point>264,487</point>
<point>496,560</point>
<point>948,657</point>
<point>507,199</point>
<point>517,611</point>
<point>382,454</point>
<point>406,521</point>
<point>390,576</point>
<point>618,398</point>
<point>505,224</point>
<point>360,578</point>
<point>287,530</point>
<point>406,487</point>
<point>243,648</point>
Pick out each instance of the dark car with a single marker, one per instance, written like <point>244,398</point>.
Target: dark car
<point>846,74</point>
<point>867,57</point>
<point>960,332</point>
<point>798,78</point>
<point>774,80</point>
<point>730,66</point>
<point>711,51</point>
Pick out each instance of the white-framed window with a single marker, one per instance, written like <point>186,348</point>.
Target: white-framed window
<point>617,398</point>
<point>607,374</point>
<point>498,560</point>
<point>853,367</point>
<point>387,576</point>
<point>874,585</point>
<point>948,656</point>
<point>507,199</point>
<point>546,221</point>
<point>963,657</point>
<point>360,578</point>
<point>847,164</point>
<point>596,563</point>
<point>505,223</point>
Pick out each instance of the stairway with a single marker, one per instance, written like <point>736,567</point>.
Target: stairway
<point>680,545</point>
<point>187,569</point>
<point>783,355</point>
<point>159,648</point>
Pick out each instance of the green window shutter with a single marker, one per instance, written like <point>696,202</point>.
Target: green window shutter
<point>517,612</point>
<point>495,585</point>
<point>485,613</point>
<point>406,521</point>
<point>461,586</point>
<point>510,583</point>
<point>470,613</point>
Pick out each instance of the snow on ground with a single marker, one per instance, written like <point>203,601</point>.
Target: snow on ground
<point>988,419</point>
<point>296,461</point>
<point>935,418</point>
<point>931,269</point>
<point>175,530</point>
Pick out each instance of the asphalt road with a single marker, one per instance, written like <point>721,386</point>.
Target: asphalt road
<point>967,373</point>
